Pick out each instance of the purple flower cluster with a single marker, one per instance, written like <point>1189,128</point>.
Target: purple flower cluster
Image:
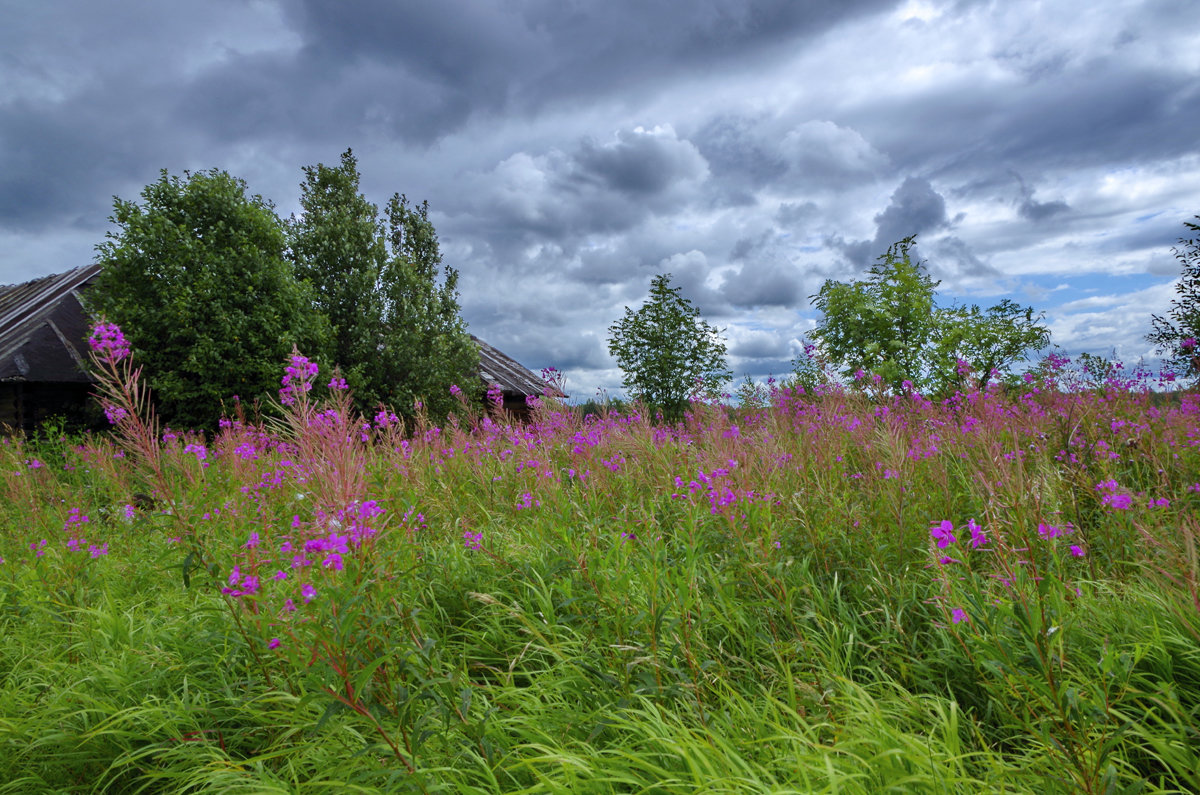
<point>108,343</point>
<point>298,376</point>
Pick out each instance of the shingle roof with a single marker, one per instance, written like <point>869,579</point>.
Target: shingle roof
<point>43,328</point>
<point>513,378</point>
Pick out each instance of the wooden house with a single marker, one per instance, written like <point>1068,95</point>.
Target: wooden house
<point>43,352</point>
<point>43,348</point>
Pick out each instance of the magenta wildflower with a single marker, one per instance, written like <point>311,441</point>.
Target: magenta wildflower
<point>1077,550</point>
<point>252,541</point>
<point>298,376</point>
<point>472,540</point>
<point>338,384</point>
<point>943,533</point>
<point>1048,531</point>
<point>274,643</point>
<point>1120,502</point>
<point>130,511</point>
<point>98,551</point>
<point>978,538</point>
<point>279,575</point>
<point>308,592</point>
<point>495,395</point>
<point>108,343</point>
<point>959,615</point>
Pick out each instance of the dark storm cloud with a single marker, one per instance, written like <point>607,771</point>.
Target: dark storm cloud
<point>915,208</point>
<point>758,284</point>
<point>60,164</point>
<point>520,55</point>
<point>1100,112</point>
<point>598,188</point>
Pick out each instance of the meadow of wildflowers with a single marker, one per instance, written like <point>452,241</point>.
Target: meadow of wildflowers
<point>838,590</point>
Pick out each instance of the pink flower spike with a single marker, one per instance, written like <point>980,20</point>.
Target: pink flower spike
<point>1077,551</point>
<point>274,643</point>
<point>308,592</point>
<point>959,615</point>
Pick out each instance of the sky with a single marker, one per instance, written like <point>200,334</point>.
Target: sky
<point>570,150</point>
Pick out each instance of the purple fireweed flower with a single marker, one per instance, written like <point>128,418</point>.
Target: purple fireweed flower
<point>495,395</point>
<point>959,615</point>
<point>338,383</point>
<point>1120,502</point>
<point>298,376</point>
<point>274,643</point>
<point>454,390</point>
<point>946,560</point>
<point>130,511</point>
<point>98,550</point>
<point>472,540</point>
<point>200,451</point>
<point>308,592</point>
<point>114,414</point>
<point>108,343</point>
<point>33,463</point>
<point>279,575</point>
<point>978,538</point>
<point>1048,531</point>
<point>943,533</point>
<point>252,541</point>
<point>1077,550</point>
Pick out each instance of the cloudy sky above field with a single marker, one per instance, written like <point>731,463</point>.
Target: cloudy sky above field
<point>572,149</point>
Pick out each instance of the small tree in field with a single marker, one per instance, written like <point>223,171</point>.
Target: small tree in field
<point>1175,336</point>
<point>889,324</point>
<point>667,351</point>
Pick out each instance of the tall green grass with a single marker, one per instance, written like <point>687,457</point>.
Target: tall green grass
<point>750,601</point>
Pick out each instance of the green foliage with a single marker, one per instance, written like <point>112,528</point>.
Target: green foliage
<point>196,277</point>
<point>990,341</point>
<point>890,325</point>
<point>667,351</point>
<point>426,347</point>
<point>338,249</point>
<point>1175,336</point>
<point>398,335</point>
<point>779,620</point>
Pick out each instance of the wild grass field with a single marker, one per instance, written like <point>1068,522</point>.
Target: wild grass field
<point>836,592</point>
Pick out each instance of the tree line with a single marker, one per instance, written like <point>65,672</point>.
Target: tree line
<point>213,289</point>
<point>888,325</point>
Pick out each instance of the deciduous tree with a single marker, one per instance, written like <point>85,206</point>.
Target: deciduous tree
<point>1175,335</point>
<point>667,351</point>
<point>195,276</point>
<point>889,324</point>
